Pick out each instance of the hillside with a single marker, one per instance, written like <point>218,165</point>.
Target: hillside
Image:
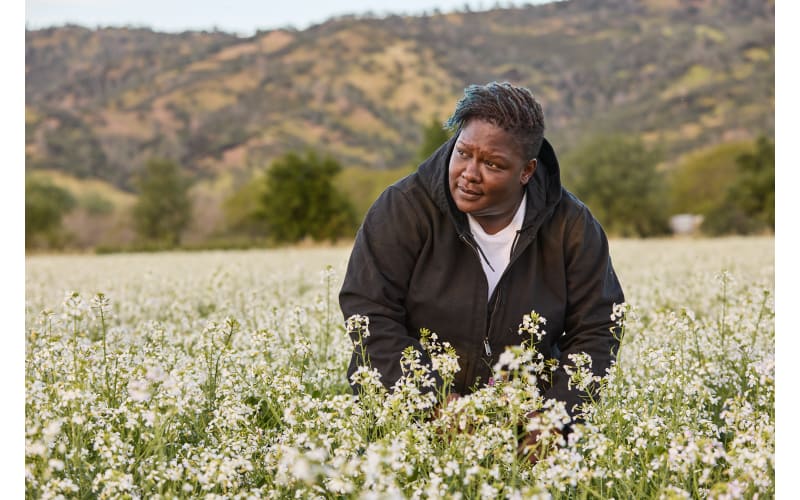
<point>682,74</point>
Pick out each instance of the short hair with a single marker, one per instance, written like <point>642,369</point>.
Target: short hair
<point>511,108</point>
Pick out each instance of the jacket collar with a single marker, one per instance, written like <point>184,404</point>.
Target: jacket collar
<point>544,189</point>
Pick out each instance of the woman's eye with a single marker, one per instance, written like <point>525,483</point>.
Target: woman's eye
<point>462,153</point>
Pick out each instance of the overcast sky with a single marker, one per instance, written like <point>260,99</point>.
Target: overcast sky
<point>235,16</point>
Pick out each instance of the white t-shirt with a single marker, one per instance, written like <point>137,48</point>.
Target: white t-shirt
<point>497,247</point>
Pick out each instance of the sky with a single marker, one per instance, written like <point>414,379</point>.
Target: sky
<point>243,17</point>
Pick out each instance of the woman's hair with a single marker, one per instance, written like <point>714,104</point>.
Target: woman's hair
<point>511,108</point>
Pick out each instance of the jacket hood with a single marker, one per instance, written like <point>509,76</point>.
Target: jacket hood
<point>544,189</point>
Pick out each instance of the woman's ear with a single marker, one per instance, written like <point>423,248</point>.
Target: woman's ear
<point>528,172</point>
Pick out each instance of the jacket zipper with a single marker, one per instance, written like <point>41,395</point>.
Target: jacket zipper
<point>463,238</point>
<point>514,245</point>
<point>486,347</point>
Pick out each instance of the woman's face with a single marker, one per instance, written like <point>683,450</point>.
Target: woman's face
<point>487,172</point>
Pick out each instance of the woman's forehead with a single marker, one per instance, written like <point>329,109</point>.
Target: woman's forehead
<point>489,138</point>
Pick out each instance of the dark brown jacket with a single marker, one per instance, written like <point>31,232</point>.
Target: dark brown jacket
<point>415,265</point>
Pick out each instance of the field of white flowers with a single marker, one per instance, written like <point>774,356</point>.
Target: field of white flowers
<point>222,374</point>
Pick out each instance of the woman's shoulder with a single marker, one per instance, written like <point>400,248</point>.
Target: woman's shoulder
<point>403,209</point>
<point>571,207</point>
<point>571,214</point>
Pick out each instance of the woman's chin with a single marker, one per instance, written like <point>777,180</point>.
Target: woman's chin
<point>467,207</point>
<point>467,203</point>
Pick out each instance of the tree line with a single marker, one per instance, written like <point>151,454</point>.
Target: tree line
<point>621,180</point>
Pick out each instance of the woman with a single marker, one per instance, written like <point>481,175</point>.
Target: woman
<point>480,235</point>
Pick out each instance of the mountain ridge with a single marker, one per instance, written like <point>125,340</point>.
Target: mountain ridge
<point>681,74</point>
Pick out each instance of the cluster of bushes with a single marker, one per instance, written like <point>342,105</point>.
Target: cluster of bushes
<point>731,186</point>
<point>45,204</point>
<point>294,199</point>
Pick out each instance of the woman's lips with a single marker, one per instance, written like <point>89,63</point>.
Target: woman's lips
<point>468,193</point>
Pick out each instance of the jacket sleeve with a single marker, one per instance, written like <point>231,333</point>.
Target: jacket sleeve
<point>376,283</point>
<point>592,291</point>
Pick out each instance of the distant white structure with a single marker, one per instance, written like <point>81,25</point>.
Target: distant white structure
<point>684,224</point>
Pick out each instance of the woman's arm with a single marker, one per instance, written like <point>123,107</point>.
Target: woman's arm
<point>592,291</point>
<point>376,283</point>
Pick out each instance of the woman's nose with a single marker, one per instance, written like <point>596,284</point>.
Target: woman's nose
<point>471,172</point>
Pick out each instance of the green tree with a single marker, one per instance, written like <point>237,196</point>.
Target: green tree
<point>749,204</point>
<point>433,135</point>
<point>301,200</point>
<point>616,177</point>
<point>163,209</point>
<point>754,190</point>
<point>45,204</point>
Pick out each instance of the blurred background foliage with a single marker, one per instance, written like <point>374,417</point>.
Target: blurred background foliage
<point>163,209</point>
<point>143,140</point>
<point>616,176</point>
